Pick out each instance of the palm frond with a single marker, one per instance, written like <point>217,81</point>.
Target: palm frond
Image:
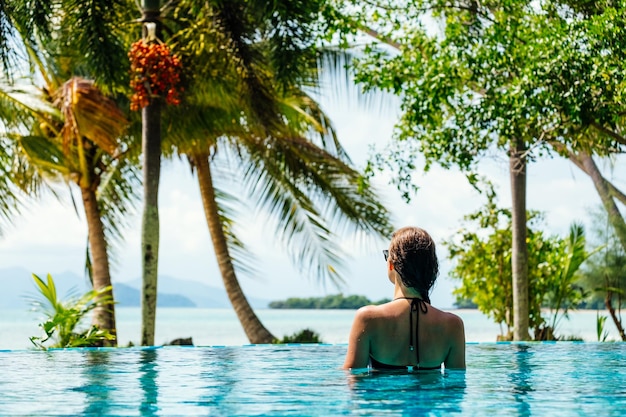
<point>314,197</point>
<point>33,18</point>
<point>45,155</point>
<point>333,184</point>
<point>303,115</point>
<point>90,33</point>
<point>194,128</point>
<point>289,31</point>
<point>240,33</point>
<point>338,82</point>
<point>7,50</point>
<point>22,104</point>
<point>309,241</point>
<point>20,22</point>
<point>9,201</point>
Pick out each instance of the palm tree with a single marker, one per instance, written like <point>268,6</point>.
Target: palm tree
<point>248,112</point>
<point>78,144</point>
<point>67,131</point>
<point>151,149</point>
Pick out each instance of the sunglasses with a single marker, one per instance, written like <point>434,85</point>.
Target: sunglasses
<point>385,253</point>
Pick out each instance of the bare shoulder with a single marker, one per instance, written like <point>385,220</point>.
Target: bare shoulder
<point>368,312</point>
<point>451,320</point>
<point>455,327</point>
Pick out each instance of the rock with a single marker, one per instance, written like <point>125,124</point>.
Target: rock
<point>184,341</point>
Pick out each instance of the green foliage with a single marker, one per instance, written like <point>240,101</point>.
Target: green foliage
<point>558,290</point>
<point>605,274</point>
<point>337,301</point>
<point>483,264</point>
<point>606,270</point>
<point>474,77</point>
<point>63,317</point>
<point>600,329</point>
<point>303,336</point>
<point>250,68</point>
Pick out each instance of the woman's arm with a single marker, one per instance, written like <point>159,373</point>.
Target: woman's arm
<point>456,355</point>
<point>359,341</point>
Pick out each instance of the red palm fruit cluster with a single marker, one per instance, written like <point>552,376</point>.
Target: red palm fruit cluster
<point>155,72</point>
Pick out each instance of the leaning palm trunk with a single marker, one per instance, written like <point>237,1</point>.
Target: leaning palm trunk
<point>252,326</point>
<point>608,301</point>
<point>607,193</point>
<point>103,316</point>
<point>614,215</point>
<point>519,257</point>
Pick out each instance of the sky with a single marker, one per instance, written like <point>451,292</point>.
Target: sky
<point>50,237</point>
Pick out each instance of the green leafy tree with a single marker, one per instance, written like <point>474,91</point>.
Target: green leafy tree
<point>523,78</point>
<point>337,301</point>
<point>484,268</point>
<point>483,264</point>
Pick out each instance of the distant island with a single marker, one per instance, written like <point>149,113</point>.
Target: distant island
<point>329,302</point>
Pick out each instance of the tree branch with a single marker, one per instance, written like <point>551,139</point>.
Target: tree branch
<point>376,35</point>
<point>611,133</point>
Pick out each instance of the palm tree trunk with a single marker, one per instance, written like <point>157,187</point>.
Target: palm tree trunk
<point>519,258</point>
<point>252,326</point>
<point>151,148</point>
<point>103,316</point>
<point>151,137</point>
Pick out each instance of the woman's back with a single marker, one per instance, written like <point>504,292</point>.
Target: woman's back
<point>411,332</point>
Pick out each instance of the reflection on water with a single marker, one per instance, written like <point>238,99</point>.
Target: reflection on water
<point>520,377</point>
<point>526,379</point>
<point>408,393</point>
<point>97,387</point>
<point>148,373</point>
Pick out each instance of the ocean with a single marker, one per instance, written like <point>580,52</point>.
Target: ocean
<point>220,327</point>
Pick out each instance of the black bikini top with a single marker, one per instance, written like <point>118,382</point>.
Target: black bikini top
<point>417,305</point>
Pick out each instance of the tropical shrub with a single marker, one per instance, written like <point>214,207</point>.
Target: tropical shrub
<point>483,265</point>
<point>303,336</point>
<point>63,317</point>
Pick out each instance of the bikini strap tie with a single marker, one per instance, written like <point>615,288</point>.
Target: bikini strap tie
<point>417,305</point>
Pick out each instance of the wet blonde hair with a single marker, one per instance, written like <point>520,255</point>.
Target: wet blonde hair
<point>412,253</point>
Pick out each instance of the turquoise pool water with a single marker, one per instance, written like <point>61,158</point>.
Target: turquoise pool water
<point>535,379</point>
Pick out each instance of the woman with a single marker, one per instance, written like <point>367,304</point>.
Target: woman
<point>407,333</point>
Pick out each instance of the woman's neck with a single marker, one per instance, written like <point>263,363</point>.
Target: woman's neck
<point>401,291</point>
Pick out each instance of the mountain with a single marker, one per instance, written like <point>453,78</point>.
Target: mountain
<point>204,296</point>
<point>127,296</point>
<point>17,288</point>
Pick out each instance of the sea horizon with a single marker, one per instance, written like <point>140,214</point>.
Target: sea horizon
<point>220,326</point>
